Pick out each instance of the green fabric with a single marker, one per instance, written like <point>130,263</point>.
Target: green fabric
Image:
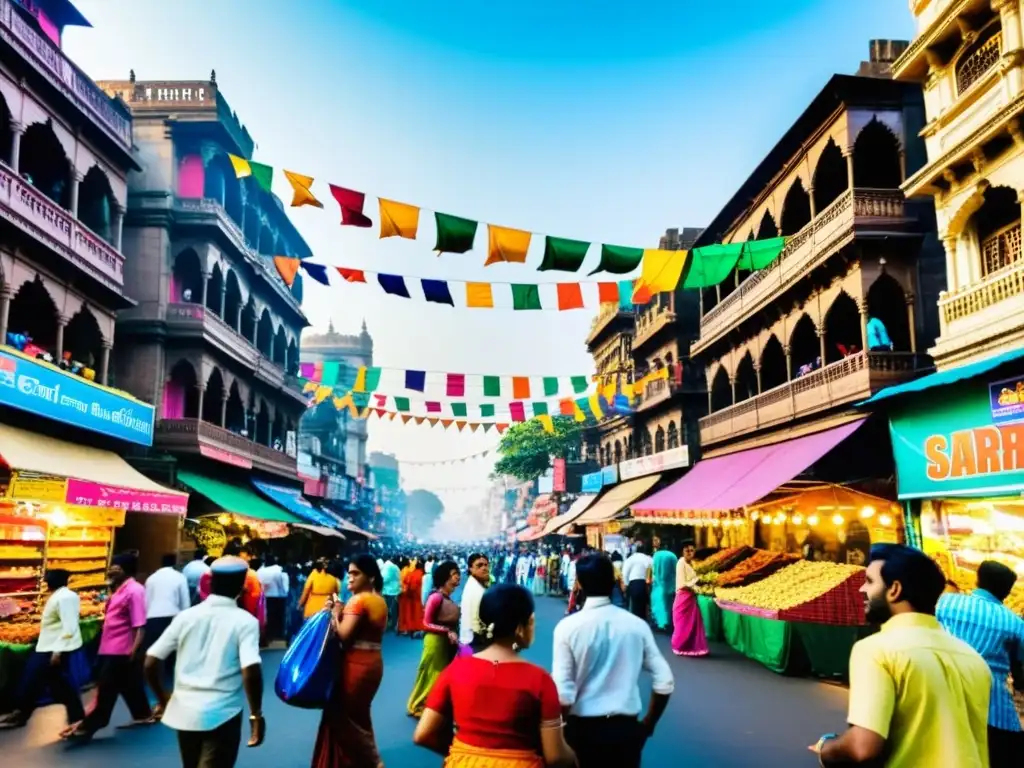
<point>758,254</point>
<point>454,233</point>
<point>236,499</point>
<point>563,255</point>
<point>540,409</point>
<point>361,399</point>
<point>372,379</point>
<point>402,404</point>
<point>459,410</point>
<point>525,296</point>
<point>764,640</point>
<point>710,265</point>
<point>828,648</point>
<point>492,386</point>
<point>437,654</point>
<point>579,384</point>
<point>619,259</point>
<point>330,375</point>
<point>712,616</point>
<point>486,410</point>
<point>263,174</point>
<point>550,385</point>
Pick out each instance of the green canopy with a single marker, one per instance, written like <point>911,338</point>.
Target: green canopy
<point>237,499</point>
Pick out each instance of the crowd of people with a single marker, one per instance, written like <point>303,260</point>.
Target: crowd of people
<point>929,689</point>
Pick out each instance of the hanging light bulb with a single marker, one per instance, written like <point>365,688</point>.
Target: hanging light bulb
<point>755,515</point>
<point>838,519</point>
<point>224,518</point>
<point>780,518</point>
<point>885,520</point>
<point>798,519</point>
<point>867,512</point>
<point>812,520</point>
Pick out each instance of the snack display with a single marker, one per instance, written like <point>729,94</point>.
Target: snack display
<point>759,565</point>
<point>723,560</point>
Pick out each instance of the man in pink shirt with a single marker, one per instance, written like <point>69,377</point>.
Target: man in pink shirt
<point>120,656</point>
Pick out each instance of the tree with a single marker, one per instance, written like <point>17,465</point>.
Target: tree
<point>527,450</point>
<point>422,509</point>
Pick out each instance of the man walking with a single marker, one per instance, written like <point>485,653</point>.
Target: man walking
<point>166,596</point>
<point>982,621</point>
<point>635,573</point>
<point>479,580</point>
<point>391,575</point>
<point>599,654</point>
<point>194,571</point>
<point>218,667</point>
<point>275,587</point>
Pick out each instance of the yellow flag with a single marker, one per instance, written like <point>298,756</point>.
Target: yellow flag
<point>301,193</point>
<point>287,268</point>
<point>360,385</point>
<point>547,422</point>
<point>241,166</point>
<point>578,413</point>
<point>398,219</point>
<point>322,393</point>
<point>479,295</point>
<point>595,407</point>
<point>309,386</point>
<point>506,244</point>
<point>659,273</point>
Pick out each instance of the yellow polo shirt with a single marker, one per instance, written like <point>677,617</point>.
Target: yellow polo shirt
<point>924,691</point>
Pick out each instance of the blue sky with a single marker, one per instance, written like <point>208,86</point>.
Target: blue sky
<point>595,120</point>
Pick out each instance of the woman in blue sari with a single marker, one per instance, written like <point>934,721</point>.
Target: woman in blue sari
<point>663,586</point>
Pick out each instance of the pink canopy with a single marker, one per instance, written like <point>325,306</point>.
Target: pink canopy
<point>738,479</point>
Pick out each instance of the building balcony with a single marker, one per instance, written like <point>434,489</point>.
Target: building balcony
<point>194,436</point>
<point>829,231</point>
<point>608,314</point>
<point>57,69</point>
<point>657,392</point>
<point>650,323</point>
<point>841,383</point>
<point>58,230</point>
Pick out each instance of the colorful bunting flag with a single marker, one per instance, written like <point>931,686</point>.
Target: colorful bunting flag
<point>352,275</point>
<point>445,423</point>
<point>398,219</point>
<point>393,284</point>
<point>486,410</point>
<point>540,408</point>
<point>263,174</point>
<point>351,204</point>
<point>316,271</point>
<point>577,409</point>
<point>547,422</point>
<point>660,273</point>
<point>579,384</point>
<point>433,407</point>
<point>550,386</point>
<point>521,387</point>
<point>566,407</point>
<point>459,410</point>
<point>454,233</point>
<point>570,296</point>
<point>455,385</point>
<point>525,296</point>
<point>505,244</point>
<point>301,193</point>
<point>619,259</point>
<point>402,404</point>
<point>479,296</point>
<point>406,417</point>
<point>287,268</point>
<point>492,386</point>
<point>367,379</point>
<point>416,380</point>
<point>502,428</point>
<point>329,374</point>
<point>608,293</point>
<point>432,422</point>
<point>625,295</point>
<point>436,291</point>
<point>563,254</point>
<point>517,411</point>
<point>595,406</point>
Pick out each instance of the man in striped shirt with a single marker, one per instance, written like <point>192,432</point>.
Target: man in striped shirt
<point>982,621</point>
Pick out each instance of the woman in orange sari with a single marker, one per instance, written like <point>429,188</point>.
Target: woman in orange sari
<point>410,605</point>
<point>346,738</point>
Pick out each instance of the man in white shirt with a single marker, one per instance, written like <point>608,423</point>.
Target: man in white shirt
<point>59,638</point>
<point>218,649</point>
<point>636,575</point>
<point>599,654</point>
<point>275,589</point>
<point>470,629</point>
<point>428,581</point>
<point>194,571</point>
<point>166,597</point>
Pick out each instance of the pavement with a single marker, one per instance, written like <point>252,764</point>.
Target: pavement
<point>727,712</point>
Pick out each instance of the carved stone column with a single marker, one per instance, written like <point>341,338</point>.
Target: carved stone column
<point>206,288</point>
<point>810,197</point>
<point>75,179</point>
<point>201,389</point>
<point>910,322</point>
<point>5,311</point>
<point>953,278</point>
<point>223,300</point>
<point>789,363</point>
<point>732,386</point>
<point>224,408</point>
<point>862,306</point>
<point>104,372</point>
<point>117,227</point>
<point>757,372</point>
<point>848,154</point>
<point>59,353</point>
<point>821,346</point>
<point>1009,10</point>
<point>17,131</point>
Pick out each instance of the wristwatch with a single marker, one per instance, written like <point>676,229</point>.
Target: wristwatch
<point>821,743</point>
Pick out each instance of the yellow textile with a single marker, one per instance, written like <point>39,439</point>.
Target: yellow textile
<point>608,391</point>
<point>347,402</point>
<point>241,166</point>
<point>360,385</point>
<point>660,272</point>
<point>301,194</point>
<point>398,219</point>
<point>461,755</point>
<point>595,407</point>
<point>322,393</point>
<point>547,422</point>
<point>287,268</point>
<point>578,413</point>
<point>922,690</point>
<point>505,244</point>
<point>319,586</point>
<point>479,295</point>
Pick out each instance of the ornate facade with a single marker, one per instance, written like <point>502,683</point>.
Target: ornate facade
<point>610,343</point>
<point>214,339</point>
<point>968,56</point>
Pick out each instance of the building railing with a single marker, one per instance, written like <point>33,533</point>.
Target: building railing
<point>973,68</point>
<point>58,69</point>
<point>650,323</point>
<point>185,432</point>
<point>54,227</point>
<point>1001,249</point>
<point>812,243</point>
<point>210,323</point>
<point>993,289</point>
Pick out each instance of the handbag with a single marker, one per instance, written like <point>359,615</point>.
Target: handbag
<point>309,669</point>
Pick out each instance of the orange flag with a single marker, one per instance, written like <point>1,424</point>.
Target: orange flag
<point>447,423</point>
<point>505,244</point>
<point>501,428</point>
<point>460,425</point>
<point>405,418</point>
<point>567,407</point>
<point>398,219</point>
<point>420,419</point>
<point>521,387</point>
<point>474,426</point>
<point>608,293</point>
<point>432,421</point>
<point>569,296</point>
<point>479,295</point>
<point>287,268</point>
<point>301,194</point>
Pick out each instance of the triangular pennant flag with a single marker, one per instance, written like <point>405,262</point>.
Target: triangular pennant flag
<point>287,268</point>
<point>352,275</point>
<point>391,415</point>
<point>487,428</point>
<point>432,421</point>
<point>547,422</point>
<point>351,204</point>
<point>501,428</point>
<point>420,419</point>
<point>317,271</point>
<point>454,233</point>
<point>460,425</point>
<point>474,426</point>
<point>398,219</point>
<point>505,244</point>
<point>301,194</point>
<point>406,417</point>
<point>322,393</point>
<point>445,423</point>
<point>380,412</point>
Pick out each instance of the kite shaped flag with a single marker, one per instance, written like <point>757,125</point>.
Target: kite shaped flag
<point>301,193</point>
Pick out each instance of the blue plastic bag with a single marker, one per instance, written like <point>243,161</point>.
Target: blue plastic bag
<point>309,668</point>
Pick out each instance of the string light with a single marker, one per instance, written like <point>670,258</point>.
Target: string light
<point>838,519</point>
<point>812,520</point>
<point>885,520</point>
<point>798,519</point>
<point>867,513</point>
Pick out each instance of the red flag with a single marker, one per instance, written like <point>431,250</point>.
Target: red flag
<point>456,385</point>
<point>608,293</point>
<point>566,407</point>
<point>382,400</point>
<point>569,296</point>
<point>518,411</point>
<point>501,427</point>
<point>351,204</point>
<point>352,275</point>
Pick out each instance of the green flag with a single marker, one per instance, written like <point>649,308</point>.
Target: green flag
<point>487,410</point>
<point>563,255</point>
<point>525,296</point>
<point>372,379</point>
<point>550,385</point>
<point>402,404</point>
<point>459,410</point>
<point>454,233</point>
<point>579,384</point>
<point>263,174</point>
<point>758,254</point>
<point>330,375</point>
<point>619,259</point>
<point>540,409</point>
<point>709,265</point>
<point>492,386</point>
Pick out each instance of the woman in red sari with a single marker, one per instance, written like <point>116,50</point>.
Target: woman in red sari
<point>506,710</point>
<point>346,738</point>
<point>410,602</point>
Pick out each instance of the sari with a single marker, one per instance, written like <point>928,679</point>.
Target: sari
<point>663,578</point>
<point>467,756</point>
<point>540,578</point>
<point>410,606</point>
<point>688,638</point>
<point>441,616</point>
<point>319,586</point>
<point>346,738</point>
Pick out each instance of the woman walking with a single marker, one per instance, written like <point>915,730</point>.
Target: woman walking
<point>688,637</point>
<point>346,738</point>
<point>540,574</point>
<point>410,605</point>
<point>663,589</point>
<point>320,586</point>
<point>506,710</point>
<point>441,634</point>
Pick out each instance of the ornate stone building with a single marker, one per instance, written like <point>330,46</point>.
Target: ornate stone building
<point>968,56</point>
<point>610,343</point>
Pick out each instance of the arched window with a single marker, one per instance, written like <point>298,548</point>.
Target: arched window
<point>187,278</point>
<point>830,176</point>
<point>796,209</point>
<point>659,440</point>
<point>215,292</point>
<point>876,158</point>
<point>83,340</point>
<point>235,420</point>
<point>44,164</point>
<point>618,451</point>
<point>842,328</point>
<point>888,303</point>
<point>181,393</point>
<point>233,300</point>
<point>6,134</point>
<point>721,390</point>
<point>746,379</point>
<point>673,436</point>
<point>34,315</point>
<point>997,226</point>
<point>805,349</point>
<point>213,397</point>
<point>96,202</point>
<point>773,364</point>
<point>979,57</point>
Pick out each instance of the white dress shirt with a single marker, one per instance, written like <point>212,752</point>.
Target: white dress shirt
<point>599,654</point>
<point>166,594</point>
<point>215,641</point>
<point>636,567</point>
<point>58,630</point>
<point>193,572</point>
<point>686,576</point>
<point>274,580</point>
<point>469,620</point>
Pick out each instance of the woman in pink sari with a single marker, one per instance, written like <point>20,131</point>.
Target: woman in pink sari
<point>688,637</point>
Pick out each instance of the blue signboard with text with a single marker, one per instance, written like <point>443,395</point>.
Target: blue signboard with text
<point>39,388</point>
<point>591,483</point>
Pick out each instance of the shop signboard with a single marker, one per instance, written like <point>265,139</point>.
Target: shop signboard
<point>43,488</point>
<point>1006,400</point>
<point>591,482</point>
<point>949,443</point>
<point>546,482</point>
<point>673,458</point>
<point>89,494</point>
<point>558,476</point>
<point>610,475</point>
<point>39,388</point>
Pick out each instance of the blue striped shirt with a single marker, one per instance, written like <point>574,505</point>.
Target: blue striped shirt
<point>993,630</point>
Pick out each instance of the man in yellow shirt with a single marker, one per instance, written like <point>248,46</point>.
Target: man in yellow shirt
<point>918,696</point>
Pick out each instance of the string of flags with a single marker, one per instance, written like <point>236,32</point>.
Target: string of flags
<point>443,462</point>
<point>698,268</point>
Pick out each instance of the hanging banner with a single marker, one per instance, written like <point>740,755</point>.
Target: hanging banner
<point>673,458</point>
<point>591,482</point>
